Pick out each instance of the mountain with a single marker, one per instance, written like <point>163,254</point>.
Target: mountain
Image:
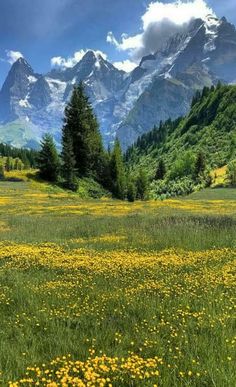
<point>127,105</point>
<point>16,89</point>
<point>38,101</point>
<point>209,127</point>
<point>169,78</point>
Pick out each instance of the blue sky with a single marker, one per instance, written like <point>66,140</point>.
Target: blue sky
<point>43,29</point>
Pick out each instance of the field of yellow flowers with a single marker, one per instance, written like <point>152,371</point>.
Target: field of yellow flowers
<point>107,293</point>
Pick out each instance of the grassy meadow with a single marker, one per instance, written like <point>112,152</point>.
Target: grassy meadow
<point>108,293</point>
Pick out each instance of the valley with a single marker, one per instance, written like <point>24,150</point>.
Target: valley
<point>102,292</point>
<point>117,193</point>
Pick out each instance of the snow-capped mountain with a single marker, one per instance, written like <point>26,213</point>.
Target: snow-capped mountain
<point>166,81</point>
<point>126,105</point>
<point>40,100</point>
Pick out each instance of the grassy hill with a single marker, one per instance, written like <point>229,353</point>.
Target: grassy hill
<point>88,188</point>
<point>210,127</point>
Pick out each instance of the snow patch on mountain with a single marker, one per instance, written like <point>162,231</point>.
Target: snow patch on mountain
<point>212,25</point>
<point>24,103</point>
<point>58,89</point>
<point>32,79</point>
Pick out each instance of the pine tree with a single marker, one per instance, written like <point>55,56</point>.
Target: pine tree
<point>48,161</point>
<point>105,173</point>
<point>131,191</point>
<point>8,164</point>
<point>82,127</point>
<point>2,176</point>
<point>16,164</point>
<point>141,185</point>
<point>200,164</point>
<point>196,98</point>
<point>117,171</point>
<point>161,170</point>
<point>68,161</point>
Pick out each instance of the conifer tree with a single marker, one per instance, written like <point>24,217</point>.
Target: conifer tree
<point>161,170</point>
<point>131,191</point>
<point>8,164</point>
<point>200,164</point>
<point>105,171</point>
<point>68,161</point>
<point>48,161</point>
<point>83,130</point>
<point>17,164</point>
<point>117,171</point>
<point>141,185</point>
<point>2,175</point>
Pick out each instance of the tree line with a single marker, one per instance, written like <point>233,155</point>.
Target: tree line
<point>28,157</point>
<point>83,154</point>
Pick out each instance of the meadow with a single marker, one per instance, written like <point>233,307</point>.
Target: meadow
<point>109,293</point>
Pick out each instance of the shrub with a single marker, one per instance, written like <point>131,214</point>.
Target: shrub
<point>166,189</point>
<point>231,172</point>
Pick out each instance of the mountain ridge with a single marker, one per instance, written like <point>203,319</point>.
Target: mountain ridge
<point>126,104</point>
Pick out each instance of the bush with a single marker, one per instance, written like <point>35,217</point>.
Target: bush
<point>231,172</point>
<point>166,189</point>
<point>89,188</point>
<point>183,166</point>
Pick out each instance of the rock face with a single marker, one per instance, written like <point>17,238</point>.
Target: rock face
<point>126,105</point>
<point>202,56</point>
<point>15,90</point>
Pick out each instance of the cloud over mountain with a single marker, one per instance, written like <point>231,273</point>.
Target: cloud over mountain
<point>125,65</point>
<point>12,56</point>
<point>159,22</point>
<point>59,61</point>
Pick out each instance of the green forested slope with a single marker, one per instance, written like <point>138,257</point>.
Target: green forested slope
<point>209,128</point>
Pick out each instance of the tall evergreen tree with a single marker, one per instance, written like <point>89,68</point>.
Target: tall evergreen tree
<point>82,127</point>
<point>117,172</point>
<point>131,191</point>
<point>200,164</point>
<point>161,170</point>
<point>68,161</point>
<point>141,185</point>
<point>8,164</point>
<point>48,160</point>
<point>2,175</point>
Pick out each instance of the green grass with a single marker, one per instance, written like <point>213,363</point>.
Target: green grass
<point>130,295</point>
<point>214,194</point>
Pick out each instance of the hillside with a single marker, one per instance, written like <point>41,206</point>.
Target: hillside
<point>210,127</point>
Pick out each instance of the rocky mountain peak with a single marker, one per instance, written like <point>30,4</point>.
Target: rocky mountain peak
<point>21,66</point>
<point>127,105</point>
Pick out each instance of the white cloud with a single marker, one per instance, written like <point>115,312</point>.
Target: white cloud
<point>159,22</point>
<point>111,39</point>
<point>59,61</point>
<point>12,56</point>
<point>127,42</point>
<point>126,65</point>
<point>179,12</point>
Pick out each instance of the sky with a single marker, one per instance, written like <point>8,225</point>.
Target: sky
<point>56,33</point>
